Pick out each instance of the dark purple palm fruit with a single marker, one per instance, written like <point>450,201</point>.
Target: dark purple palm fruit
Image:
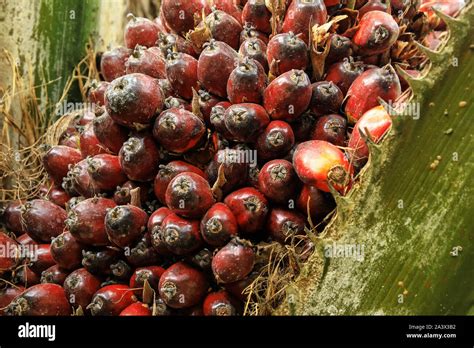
<point>255,48</point>
<point>235,164</point>
<point>286,52</point>
<point>326,98</point>
<point>247,82</point>
<point>275,141</point>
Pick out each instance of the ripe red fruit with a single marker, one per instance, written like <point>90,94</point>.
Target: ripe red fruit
<point>181,69</point>
<point>286,52</point>
<point>257,14</point>
<point>40,258</point>
<point>105,172</point>
<point>189,195</point>
<point>85,221</point>
<point>246,121</point>
<point>139,157</point>
<point>171,42</point>
<point>58,196</point>
<point>167,173</point>
<point>288,96</point>
<point>339,49</point>
<point>377,32</point>
<point>25,276</point>
<point>136,309</point>
<point>151,274</point>
<point>342,74</point>
<point>112,63</point>
<point>43,220</point>
<point>12,217</point>
<point>223,27</point>
<point>133,100</point>
<point>220,303</point>
<point>215,65</point>
<point>326,98</point>
<point>372,5</point>
<point>180,15</point>
<point>69,140</point>
<point>366,90</point>
<point>283,224</point>
<point>57,161</point>
<point>100,261</point>
<point>206,103</point>
<point>89,143</point>
<point>234,261</point>
<point>174,102</point>
<point>218,225</point>
<point>254,48</point>
<point>246,82</point>
<point>111,300</point>
<point>320,203</point>
<point>250,209</point>
<point>231,7</point>
<point>80,286</point>
<point>156,219</point>
<point>54,274</point>
<point>41,299</point>
<point>110,134</point>
<point>146,61</point>
<point>238,288</point>
<point>318,163</point>
<point>277,180</point>
<point>7,295</point>
<point>375,122</point>
<point>275,141</point>
<point>331,128</point>
<point>66,251</point>
<point>182,286</point>
<point>249,32</point>
<point>301,15</point>
<point>217,120</point>
<point>96,93</point>
<point>124,224</point>
<point>180,236</point>
<point>10,256</point>
<point>235,166</point>
<point>140,31</point>
<point>178,130</point>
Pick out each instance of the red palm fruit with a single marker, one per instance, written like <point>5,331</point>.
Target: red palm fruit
<point>156,219</point>
<point>237,289</point>
<point>100,261</point>
<point>288,96</point>
<point>112,63</point>
<point>122,195</point>
<point>143,253</point>
<point>220,303</point>
<point>180,236</point>
<point>182,286</point>
<point>275,141</point>
<point>178,130</point>
<point>206,102</point>
<point>137,309</point>
<point>377,32</point>
<point>215,65</point>
<point>366,90</point>
<point>133,100</point>
<point>171,42</point>
<point>140,31</point>
<point>43,219</point>
<point>318,163</point>
<point>189,195</point>
<point>331,128</point>
<point>11,217</point>
<point>78,180</point>
<point>106,172</point>
<point>217,120</point>
<point>250,208</point>
<point>151,274</point>
<point>85,221</point>
<point>277,180</point>
<point>58,196</point>
<point>326,98</point>
<point>223,28</point>
<point>231,7</point>
<point>342,74</point>
<point>109,133</point>
<point>69,140</point>
<point>168,172</point>
<point>66,251</point>
<point>218,225</point>
<point>25,276</point>
<point>181,69</point>
<point>448,7</point>
<point>283,224</point>
<point>340,48</point>
<point>111,300</point>
<point>303,14</point>
<point>234,261</point>
<point>246,82</point>
<point>139,157</point>
<point>372,5</point>
<point>165,87</point>
<point>80,286</point>
<point>125,224</point>
<point>246,121</point>
<point>57,160</point>
<point>254,48</point>
<point>89,144</point>
<point>180,15</point>
<point>320,203</point>
<point>79,119</point>
<point>174,102</point>
<point>25,239</point>
<point>54,275</point>
<point>375,123</point>
<point>10,256</point>
<point>202,259</point>
<point>7,295</point>
<point>286,52</point>
<point>257,14</point>
<point>96,93</point>
<point>146,61</point>
<point>158,243</point>
<point>235,167</point>
<point>41,299</point>
<point>249,32</point>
